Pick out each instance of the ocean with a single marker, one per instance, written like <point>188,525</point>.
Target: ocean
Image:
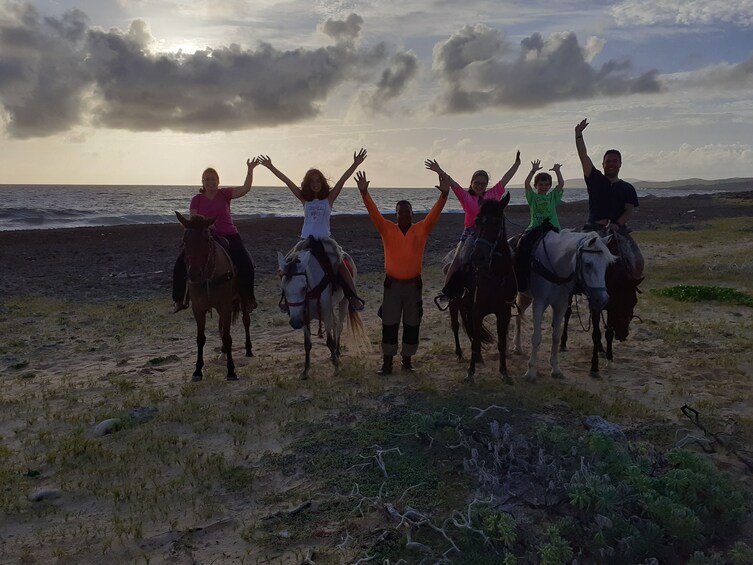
<point>25,207</point>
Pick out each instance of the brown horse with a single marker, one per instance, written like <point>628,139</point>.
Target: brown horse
<point>491,285</point>
<point>622,287</point>
<point>212,283</point>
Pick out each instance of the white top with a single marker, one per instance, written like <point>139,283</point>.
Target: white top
<point>316,218</point>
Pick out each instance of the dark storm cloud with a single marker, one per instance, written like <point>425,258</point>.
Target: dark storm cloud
<point>393,82</point>
<point>478,69</point>
<point>58,73</point>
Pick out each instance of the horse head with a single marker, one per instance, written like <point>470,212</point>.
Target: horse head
<point>592,260</point>
<point>197,244</point>
<point>295,287</point>
<point>491,236</point>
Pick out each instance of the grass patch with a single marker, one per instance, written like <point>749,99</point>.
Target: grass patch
<point>695,293</point>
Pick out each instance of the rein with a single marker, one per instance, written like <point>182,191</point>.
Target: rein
<point>209,281</point>
<point>314,293</point>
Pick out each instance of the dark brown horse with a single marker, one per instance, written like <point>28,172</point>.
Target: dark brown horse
<point>491,285</point>
<point>212,283</point>
<point>622,287</point>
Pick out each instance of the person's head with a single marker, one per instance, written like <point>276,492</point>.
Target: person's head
<point>479,182</point>
<point>314,185</point>
<point>404,212</point>
<point>542,182</point>
<point>209,180</point>
<point>612,163</point>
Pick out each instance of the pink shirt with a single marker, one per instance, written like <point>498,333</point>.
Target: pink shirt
<point>218,207</point>
<point>472,204</point>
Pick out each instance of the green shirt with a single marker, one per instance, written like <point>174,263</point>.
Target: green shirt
<point>544,206</point>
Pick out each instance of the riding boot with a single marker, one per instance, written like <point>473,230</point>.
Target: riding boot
<point>406,364</point>
<point>386,366</point>
<point>454,287</point>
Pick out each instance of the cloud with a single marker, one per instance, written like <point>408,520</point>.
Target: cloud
<point>479,70</point>
<point>401,72</point>
<point>55,73</point>
<point>683,12</point>
<point>697,160</point>
<point>723,76</point>
<point>42,80</point>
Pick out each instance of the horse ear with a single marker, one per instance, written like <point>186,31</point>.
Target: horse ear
<point>182,219</point>
<point>280,261</point>
<point>505,200</point>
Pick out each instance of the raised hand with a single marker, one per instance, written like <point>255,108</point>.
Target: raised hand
<point>264,160</point>
<point>556,167</point>
<point>252,163</point>
<point>361,182</point>
<point>434,166</point>
<point>581,126</point>
<point>359,157</point>
<point>535,165</point>
<point>444,184</point>
<point>517,157</point>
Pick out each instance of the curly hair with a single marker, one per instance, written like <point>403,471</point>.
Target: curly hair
<point>542,176</point>
<point>307,193</point>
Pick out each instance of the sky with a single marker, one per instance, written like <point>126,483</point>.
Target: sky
<point>153,91</point>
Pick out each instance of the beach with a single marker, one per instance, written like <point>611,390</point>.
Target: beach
<point>127,262</point>
<point>109,450</point>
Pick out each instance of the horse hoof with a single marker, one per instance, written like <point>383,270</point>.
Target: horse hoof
<point>469,379</point>
<point>530,378</point>
<point>563,348</point>
<point>507,380</point>
<point>232,377</point>
<point>303,376</point>
<point>197,377</point>
<point>461,359</point>
<point>558,375</point>
<point>249,353</point>
<point>594,375</point>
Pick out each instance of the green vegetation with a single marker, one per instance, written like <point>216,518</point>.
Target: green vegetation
<point>694,293</point>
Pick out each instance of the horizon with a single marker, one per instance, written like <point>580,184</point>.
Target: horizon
<point>93,90</point>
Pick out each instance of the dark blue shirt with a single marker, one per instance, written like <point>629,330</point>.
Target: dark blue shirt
<point>607,199</point>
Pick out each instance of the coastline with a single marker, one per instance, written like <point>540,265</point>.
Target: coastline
<point>135,261</point>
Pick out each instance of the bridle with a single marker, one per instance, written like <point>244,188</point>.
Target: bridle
<point>310,293</point>
<point>493,245</point>
<point>207,270</point>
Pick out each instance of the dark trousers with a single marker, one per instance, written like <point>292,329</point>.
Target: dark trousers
<point>402,302</point>
<point>244,266</point>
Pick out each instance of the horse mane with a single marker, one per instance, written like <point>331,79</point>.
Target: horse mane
<point>491,207</point>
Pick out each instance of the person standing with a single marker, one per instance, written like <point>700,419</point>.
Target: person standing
<point>404,243</point>
<point>611,200</point>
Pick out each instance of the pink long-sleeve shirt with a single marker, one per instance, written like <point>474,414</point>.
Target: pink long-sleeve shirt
<point>472,204</point>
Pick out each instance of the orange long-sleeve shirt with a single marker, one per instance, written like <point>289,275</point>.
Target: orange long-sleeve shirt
<point>404,252</point>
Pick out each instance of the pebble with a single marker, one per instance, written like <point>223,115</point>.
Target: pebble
<point>106,427</point>
<point>45,494</point>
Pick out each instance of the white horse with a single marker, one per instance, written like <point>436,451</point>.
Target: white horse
<point>563,262</point>
<point>308,293</point>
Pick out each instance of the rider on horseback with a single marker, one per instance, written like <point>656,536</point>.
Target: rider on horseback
<point>471,201</point>
<point>611,200</point>
<point>214,202</point>
<point>543,206</point>
<point>318,198</point>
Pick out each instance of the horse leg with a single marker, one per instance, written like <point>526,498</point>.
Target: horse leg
<point>523,301</point>
<point>558,314</point>
<point>227,344</point>
<point>455,325</point>
<point>538,314</point>
<point>503,322</point>
<point>307,348</point>
<point>201,339</point>
<point>332,346</point>
<point>246,325</point>
<point>568,313</point>
<point>596,340</point>
<point>477,321</point>
<point>610,339</point>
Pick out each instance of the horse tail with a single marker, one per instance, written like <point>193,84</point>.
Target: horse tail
<point>357,333</point>
<point>486,336</point>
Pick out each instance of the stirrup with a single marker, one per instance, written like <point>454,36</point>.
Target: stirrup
<point>178,306</point>
<point>442,301</point>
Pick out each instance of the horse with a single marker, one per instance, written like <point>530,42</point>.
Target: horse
<point>563,263</point>
<point>490,286</point>
<point>622,287</point>
<point>309,293</point>
<point>212,283</point>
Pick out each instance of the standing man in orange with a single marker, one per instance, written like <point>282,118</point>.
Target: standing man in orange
<point>404,244</point>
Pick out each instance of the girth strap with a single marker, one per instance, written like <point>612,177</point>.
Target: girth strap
<point>540,269</point>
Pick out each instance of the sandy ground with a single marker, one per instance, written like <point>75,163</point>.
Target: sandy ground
<point>85,315</point>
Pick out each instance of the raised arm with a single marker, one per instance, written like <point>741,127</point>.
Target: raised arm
<point>267,162</point>
<point>560,181</point>
<point>434,166</point>
<point>535,166</point>
<point>580,145</point>
<point>374,213</point>
<point>358,158</point>
<point>239,191</point>
<point>507,177</point>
